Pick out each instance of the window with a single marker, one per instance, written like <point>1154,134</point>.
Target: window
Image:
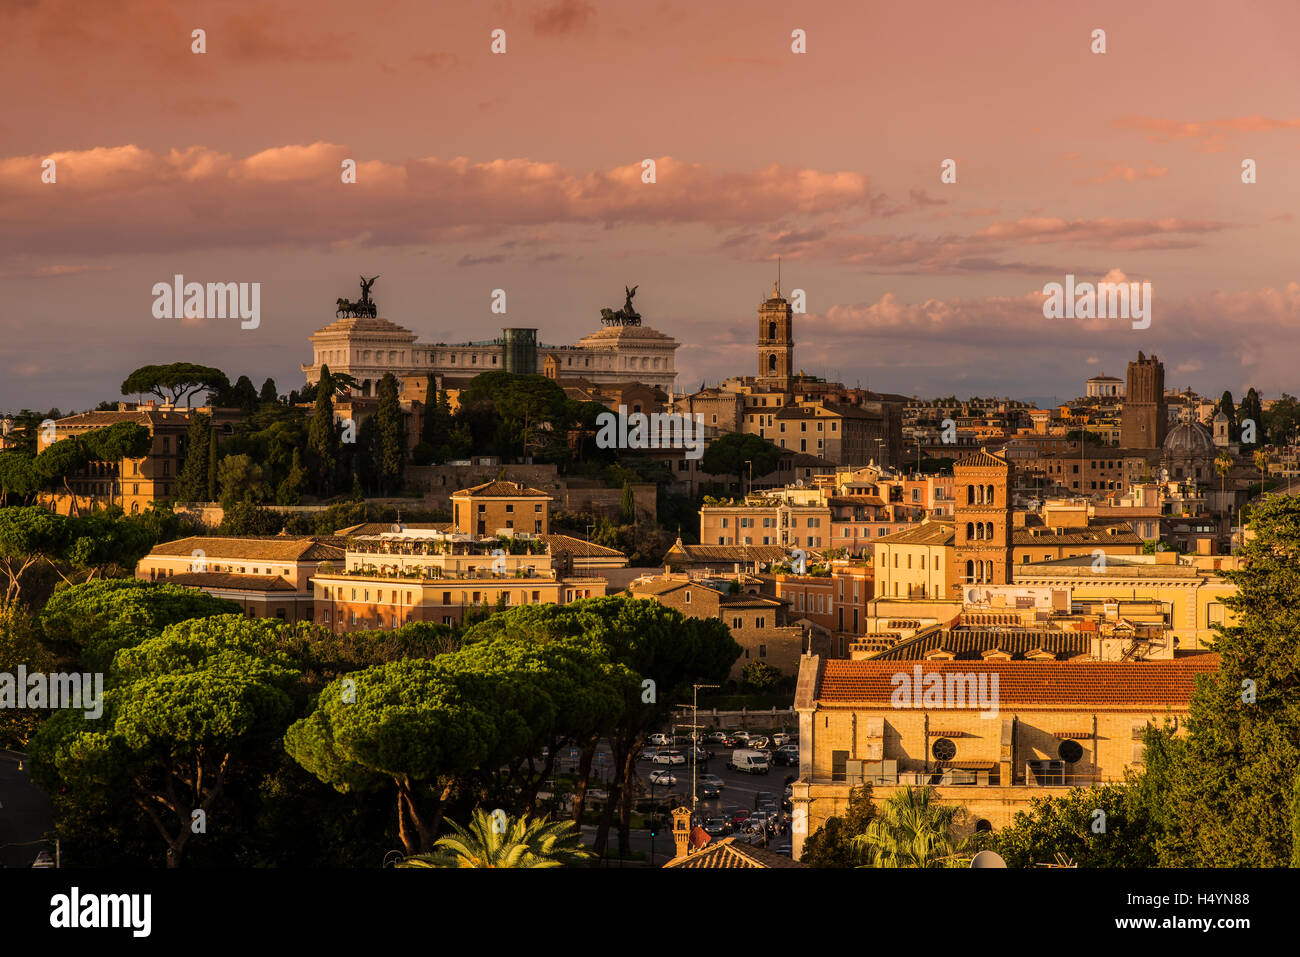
<point>736,623</point>
<point>1070,751</point>
<point>688,596</point>
<point>943,750</point>
<point>839,763</point>
<point>762,651</point>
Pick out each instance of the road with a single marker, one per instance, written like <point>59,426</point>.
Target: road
<point>26,817</point>
<point>740,789</point>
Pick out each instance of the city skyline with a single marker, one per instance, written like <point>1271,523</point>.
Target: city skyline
<point>224,166</point>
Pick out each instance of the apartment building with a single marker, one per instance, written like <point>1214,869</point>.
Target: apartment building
<point>270,577</point>
<point>500,507</point>
<point>132,484</point>
<point>391,579</point>
<point>1051,725</point>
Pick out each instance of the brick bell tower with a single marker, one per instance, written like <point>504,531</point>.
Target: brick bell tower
<point>982,535</point>
<point>1144,417</point>
<point>776,341</point>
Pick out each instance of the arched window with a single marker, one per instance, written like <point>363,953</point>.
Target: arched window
<point>771,330</point>
<point>970,531</point>
<point>771,362</point>
<point>970,494</point>
<point>970,571</point>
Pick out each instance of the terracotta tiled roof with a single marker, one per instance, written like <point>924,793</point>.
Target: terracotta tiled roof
<point>99,420</point>
<point>856,500</point>
<point>662,586</point>
<point>233,582</point>
<point>749,601</point>
<point>727,853</point>
<point>500,489</point>
<point>1098,532</point>
<point>271,548</point>
<point>578,548</point>
<point>927,533</point>
<point>982,459</point>
<point>734,553</point>
<point>1118,684</point>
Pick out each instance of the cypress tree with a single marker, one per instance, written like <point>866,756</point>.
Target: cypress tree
<point>391,438</point>
<point>322,436</point>
<point>629,505</point>
<point>269,393</point>
<point>192,483</point>
<point>212,465</point>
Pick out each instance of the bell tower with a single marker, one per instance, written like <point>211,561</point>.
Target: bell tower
<point>776,341</point>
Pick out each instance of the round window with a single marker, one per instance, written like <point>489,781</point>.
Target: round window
<point>943,750</point>
<point>1070,751</point>
<point>983,825</point>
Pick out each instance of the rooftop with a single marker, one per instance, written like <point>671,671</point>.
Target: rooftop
<point>275,548</point>
<point>1040,684</point>
<point>500,489</point>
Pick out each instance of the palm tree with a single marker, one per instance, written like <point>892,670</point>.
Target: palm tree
<point>1223,465</point>
<point>913,829</point>
<point>497,840</point>
<point>1261,463</point>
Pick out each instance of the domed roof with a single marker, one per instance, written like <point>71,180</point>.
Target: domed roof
<point>1190,438</point>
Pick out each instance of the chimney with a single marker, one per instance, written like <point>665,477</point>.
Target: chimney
<point>682,830</point>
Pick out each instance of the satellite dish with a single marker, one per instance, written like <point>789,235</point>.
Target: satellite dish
<point>799,483</point>
<point>987,859</point>
<point>972,595</point>
<point>397,528</point>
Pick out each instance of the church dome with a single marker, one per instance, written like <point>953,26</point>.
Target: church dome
<point>1190,438</point>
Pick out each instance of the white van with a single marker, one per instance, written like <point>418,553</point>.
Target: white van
<point>751,762</point>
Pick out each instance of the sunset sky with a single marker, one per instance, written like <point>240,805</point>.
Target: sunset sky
<point>522,171</point>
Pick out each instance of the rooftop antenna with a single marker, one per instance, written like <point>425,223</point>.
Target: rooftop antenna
<point>778,275</point>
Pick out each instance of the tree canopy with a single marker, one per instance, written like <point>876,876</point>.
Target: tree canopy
<point>728,454</point>
<point>175,381</point>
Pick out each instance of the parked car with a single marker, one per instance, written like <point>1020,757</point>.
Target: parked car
<point>759,742</point>
<point>669,757</point>
<point>647,754</point>
<point>780,738</point>
<point>658,738</point>
<point>663,778</point>
<point>787,755</point>
<point>713,779</point>
<point>740,736</point>
<point>751,762</point>
<point>715,737</point>
<point>717,826</point>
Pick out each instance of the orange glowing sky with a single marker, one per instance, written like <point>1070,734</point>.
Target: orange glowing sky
<point>522,171</point>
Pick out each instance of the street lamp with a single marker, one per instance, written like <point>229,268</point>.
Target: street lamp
<point>695,741</point>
